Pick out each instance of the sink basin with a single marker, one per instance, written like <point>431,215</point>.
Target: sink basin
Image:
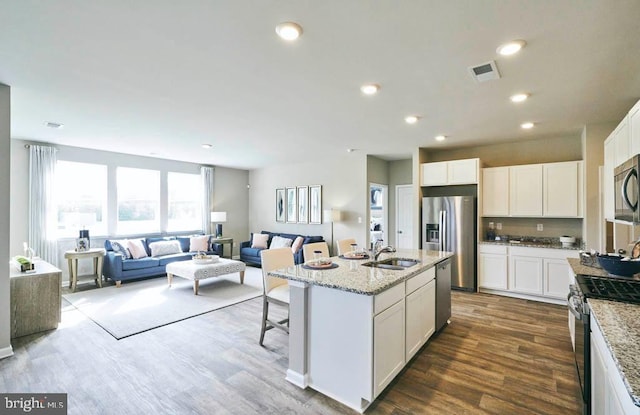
<point>392,263</point>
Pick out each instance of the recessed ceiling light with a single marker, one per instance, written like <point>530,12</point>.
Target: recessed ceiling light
<point>52,124</point>
<point>519,97</point>
<point>207,146</point>
<point>370,89</point>
<point>289,30</point>
<point>411,119</point>
<point>511,47</point>
<point>526,125</point>
<point>440,138</point>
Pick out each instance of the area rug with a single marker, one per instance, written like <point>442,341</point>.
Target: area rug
<point>140,306</point>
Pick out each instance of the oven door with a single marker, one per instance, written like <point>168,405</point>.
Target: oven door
<point>626,191</point>
<point>581,349</point>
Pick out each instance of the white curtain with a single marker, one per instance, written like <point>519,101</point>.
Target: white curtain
<point>42,208</point>
<point>206,173</point>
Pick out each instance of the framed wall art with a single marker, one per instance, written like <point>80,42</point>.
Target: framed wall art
<point>280,205</point>
<point>292,205</point>
<point>303,204</point>
<point>315,204</point>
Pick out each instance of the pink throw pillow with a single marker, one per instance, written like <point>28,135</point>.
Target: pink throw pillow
<point>297,244</point>
<point>199,243</point>
<point>259,240</point>
<point>136,247</point>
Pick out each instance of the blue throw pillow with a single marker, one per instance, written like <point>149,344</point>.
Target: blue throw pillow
<point>120,247</point>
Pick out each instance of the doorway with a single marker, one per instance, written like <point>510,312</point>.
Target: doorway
<point>378,212</point>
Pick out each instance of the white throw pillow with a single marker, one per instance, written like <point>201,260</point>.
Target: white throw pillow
<point>297,244</point>
<point>199,243</point>
<point>280,242</point>
<point>136,247</point>
<point>121,247</point>
<point>260,240</point>
<point>165,248</point>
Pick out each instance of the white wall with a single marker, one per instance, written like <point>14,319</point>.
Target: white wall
<point>230,191</point>
<point>344,187</point>
<point>5,230</point>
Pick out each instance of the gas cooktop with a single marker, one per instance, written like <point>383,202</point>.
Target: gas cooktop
<point>608,288</point>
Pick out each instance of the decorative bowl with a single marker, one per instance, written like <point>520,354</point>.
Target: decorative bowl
<point>615,265</point>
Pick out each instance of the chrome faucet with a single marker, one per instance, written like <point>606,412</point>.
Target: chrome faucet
<point>378,249</point>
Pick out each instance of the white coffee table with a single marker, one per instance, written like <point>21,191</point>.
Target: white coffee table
<point>196,272</point>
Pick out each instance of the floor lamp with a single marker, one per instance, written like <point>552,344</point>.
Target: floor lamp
<point>332,215</point>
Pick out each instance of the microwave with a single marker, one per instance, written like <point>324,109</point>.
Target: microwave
<point>627,189</point>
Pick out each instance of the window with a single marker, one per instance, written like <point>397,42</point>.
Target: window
<point>81,193</point>
<point>138,201</point>
<point>185,202</point>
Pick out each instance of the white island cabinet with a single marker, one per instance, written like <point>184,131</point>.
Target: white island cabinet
<point>354,328</point>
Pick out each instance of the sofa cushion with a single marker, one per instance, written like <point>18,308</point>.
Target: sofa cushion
<point>199,243</point>
<point>297,244</point>
<point>280,242</point>
<point>137,248</point>
<point>251,251</point>
<point>148,262</point>
<point>160,248</point>
<point>149,241</point>
<point>167,259</point>
<point>121,247</point>
<point>184,242</point>
<point>260,240</point>
<point>311,239</point>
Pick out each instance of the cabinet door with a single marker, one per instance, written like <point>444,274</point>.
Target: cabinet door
<point>622,147</point>
<point>495,191</point>
<point>561,189</point>
<point>492,271</point>
<point>525,190</point>
<point>525,274</point>
<point>557,277</point>
<point>634,129</point>
<point>388,345</point>
<point>434,174</point>
<point>599,383</point>
<point>421,318</point>
<point>607,178</point>
<point>462,171</point>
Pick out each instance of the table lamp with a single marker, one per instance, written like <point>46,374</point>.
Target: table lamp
<point>218,218</point>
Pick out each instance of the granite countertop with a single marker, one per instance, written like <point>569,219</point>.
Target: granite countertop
<point>353,277</point>
<point>531,244</point>
<point>620,327</point>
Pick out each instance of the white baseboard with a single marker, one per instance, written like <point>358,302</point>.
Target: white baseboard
<point>6,352</point>
<point>298,379</point>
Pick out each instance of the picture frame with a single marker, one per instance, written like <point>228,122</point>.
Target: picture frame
<point>315,204</point>
<point>292,205</point>
<point>280,205</point>
<point>303,204</point>
<point>376,197</point>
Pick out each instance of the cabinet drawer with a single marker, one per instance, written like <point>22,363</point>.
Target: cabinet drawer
<point>492,249</point>
<point>388,298</point>
<point>419,280</point>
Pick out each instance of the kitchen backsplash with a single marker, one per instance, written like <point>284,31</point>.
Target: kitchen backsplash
<point>527,227</point>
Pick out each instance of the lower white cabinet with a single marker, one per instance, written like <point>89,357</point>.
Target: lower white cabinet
<point>388,345</point>
<point>542,273</point>
<point>421,317</point>
<point>609,395</point>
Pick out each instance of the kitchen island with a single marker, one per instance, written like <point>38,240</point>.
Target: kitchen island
<point>353,328</point>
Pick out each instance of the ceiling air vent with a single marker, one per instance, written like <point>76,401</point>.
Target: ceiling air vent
<point>485,72</point>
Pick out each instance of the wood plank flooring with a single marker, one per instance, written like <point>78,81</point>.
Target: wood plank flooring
<point>498,356</point>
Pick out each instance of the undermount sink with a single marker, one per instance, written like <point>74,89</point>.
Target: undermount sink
<point>392,263</point>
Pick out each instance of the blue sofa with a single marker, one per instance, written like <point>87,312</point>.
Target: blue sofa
<point>118,268</point>
<point>251,256</point>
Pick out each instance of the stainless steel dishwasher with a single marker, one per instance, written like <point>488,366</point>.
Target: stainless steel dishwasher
<point>443,293</point>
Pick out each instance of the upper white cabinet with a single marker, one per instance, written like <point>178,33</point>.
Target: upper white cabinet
<point>525,190</point>
<point>533,190</point>
<point>622,142</point>
<point>633,120</point>
<point>562,189</point>
<point>607,178</point>
<point>449,172</point>
<point>495,191</point>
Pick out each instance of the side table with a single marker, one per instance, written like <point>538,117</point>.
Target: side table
<point>223,241</point>
<point>97,254</point>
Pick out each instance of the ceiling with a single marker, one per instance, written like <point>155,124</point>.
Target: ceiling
<point>161,78</point>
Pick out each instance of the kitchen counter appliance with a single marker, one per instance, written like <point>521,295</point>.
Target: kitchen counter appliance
<point>627,190</point>
<point>443,293</point>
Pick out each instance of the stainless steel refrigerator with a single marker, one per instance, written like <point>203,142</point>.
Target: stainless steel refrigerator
<point>449,224</point>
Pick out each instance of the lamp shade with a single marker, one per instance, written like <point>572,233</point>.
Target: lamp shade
<point>332,215</point>
<point>218,217</point>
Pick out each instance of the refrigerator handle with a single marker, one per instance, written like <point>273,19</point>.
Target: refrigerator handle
<point>445,231</point>
<point>441,230</point>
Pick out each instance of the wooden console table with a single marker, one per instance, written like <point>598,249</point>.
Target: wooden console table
<point>35,299</point>
<point>97,254</point>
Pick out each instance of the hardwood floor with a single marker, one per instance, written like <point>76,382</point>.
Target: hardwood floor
<point>498,356</point>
